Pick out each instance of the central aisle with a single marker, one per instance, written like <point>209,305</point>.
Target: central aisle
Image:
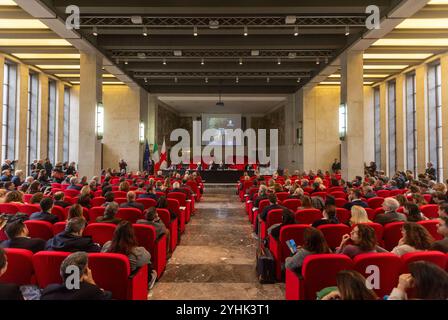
<point>216,256</point>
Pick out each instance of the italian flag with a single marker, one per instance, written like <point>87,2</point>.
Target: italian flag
<point>155,157</point>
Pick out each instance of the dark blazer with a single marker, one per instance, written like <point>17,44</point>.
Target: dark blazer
<point>148,196</point>
<point>388,217</point>
<point>71,243</point>
<point>441,245</point>
<point>356,202</point>
<point>105,220</point>
<point>135,205</point>
<point>44,216</point>
<point>86,291</point>
<point>32,244</point>
<point>10,291</point>
<point>71,187</point>
<point>62,204</point>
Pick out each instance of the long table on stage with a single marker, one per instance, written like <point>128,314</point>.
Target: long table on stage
<point>217,176</point>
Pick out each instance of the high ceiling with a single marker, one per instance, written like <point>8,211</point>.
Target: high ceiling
<point>250,46</point>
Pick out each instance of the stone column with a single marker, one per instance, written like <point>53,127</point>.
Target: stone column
<point>352,94</point>
<point>60,121</point>
<point>444,72</point>
<point>22,116</point>
<point>90,95</point>
<point>421,118</point>
<point>43,116</point>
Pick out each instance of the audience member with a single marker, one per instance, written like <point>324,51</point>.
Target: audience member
<point>46,205</point>
<point>415,238</point>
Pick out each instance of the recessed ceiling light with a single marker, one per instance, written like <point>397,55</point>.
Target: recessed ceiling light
<point>296,31</point>
<point>95,31</point>
<point>240,61</point>
<point>202,61</point>
<point>145,31</point>
<point>279,61</point>
<point>347,30</point>
<point>195,31</point>
<point>246,31</point>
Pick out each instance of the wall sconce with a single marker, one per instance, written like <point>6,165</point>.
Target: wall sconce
<point>342,121</point>
<point>300,133</point>
<point>99,121</point>
<point>142,132</point>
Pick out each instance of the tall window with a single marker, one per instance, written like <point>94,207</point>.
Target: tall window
<point>33,117</point>
<point>377,126</point>
<point>435,119</point>
<point>66,124</point>
<point>391,114</point>
<point>52,120</point>
<point>9,110</point>
<point>411,130</point>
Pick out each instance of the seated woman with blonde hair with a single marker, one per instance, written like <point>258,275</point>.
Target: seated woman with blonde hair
<point>359,215</point>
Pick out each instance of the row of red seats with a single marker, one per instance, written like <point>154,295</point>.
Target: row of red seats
<point>111,272</point>
<point>387,236</point>
<point>319,271</point>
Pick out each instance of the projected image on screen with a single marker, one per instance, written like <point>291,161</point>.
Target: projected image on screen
<point>220,123</point>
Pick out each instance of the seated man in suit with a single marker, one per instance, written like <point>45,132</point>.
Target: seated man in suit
<point>17,233</point>
<point>131,196</point>
<point>7,291</point>
<point>74,184</point>
<point>390,206</point>
<point>150,193</point>
<point>442,229</point>
<point>59,198</point>
<point>71,239</point>
<point>355,200</point>
<point>88,290</point>
<point>264,213</point>
<point>46,205</point>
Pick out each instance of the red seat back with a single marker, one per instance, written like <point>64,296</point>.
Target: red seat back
<point>383,193</point>
<point>431,226</point>
<point>20,267</point>
<point>333,233</point>
<point>60,213</point>
<point>59,227</point>
<point>47,266</point>
<point>146,236</point>
<point>96,212</point>
<point>307,216</point>
<point>375,202</point>
<point>343,215</point>
<point>436,257</point>
<point>165,216</point>
<point>430,210</point>
<point>339,194</point>
<point>179,196</point>
<point>129,214</point>
<point>292,204</point>
<point>111,272</point>
<point>319,271</point>
<point>291,232</point>
<point>71,192</point>
<point>392,234</point>
<point>27,197</point>
<point>281,196</point>
<point>147,202</point>
<point>97,201</point>
<point>389,268</point>
<point>119,194</point>
<point>100,232</point>
<point>9,208</point>
<point>29,209</point>
<point>40,229</point>
<point>340,203</point>
<point>263,203</point>
<point>321,194</point>
<point>274,216</point>
<point>428,198</point>
<point>120,200</point>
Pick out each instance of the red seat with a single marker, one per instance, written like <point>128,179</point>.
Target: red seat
<point>383,193</point>
<point>370,213</point>
<point>182,198</point>
<point>430,210</point>
<point>343,215</point>
<point>318,272</point>
<point>436,257</point>
<point>147,202</point>
<point>120,200</point>
<point>70,200</point>
<point>171,225</point>
<point>279,248</point>
<point>47,265</point>
<point>40,229</point>
<point>100,232</point>
<point>9,208</point>
<point>71,193</point>
<point>119,194</point>
<point>274,216</point>
<point>393,193</point>
<point>321,194</point>
<point>98,193</point>
<point>375,202</point>
<point>129,214</point>
<point>379,231</point>
<point>111,272</point>
<point>282,196</point>
<point>96,212</point>
<point>428,198</point>
<point>333,233</point>
<point>392,234</point>
<point>431,226</point>
<point>27,197</point>
<point>340,203</point>
<point>333,189</point>
<point>85,212</point>
<point>59,227</point>
<point>97,201</point>
<point>292,204</point>
<point>29,209</point>
<point>20,267</point>
<point>60,213</point>
<point>339,194</point>
<point>389,268</point>
<point>173,205</point>
<point>253,215</point>
<point>307,216</point>
<point>56,185</point>
<point>146,237</point>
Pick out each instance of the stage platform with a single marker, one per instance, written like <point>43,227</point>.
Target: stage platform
<point>218,176</point>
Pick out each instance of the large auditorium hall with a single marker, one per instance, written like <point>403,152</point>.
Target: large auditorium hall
<point>219,159</point>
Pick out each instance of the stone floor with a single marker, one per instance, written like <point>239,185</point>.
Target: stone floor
<point>216,257</point>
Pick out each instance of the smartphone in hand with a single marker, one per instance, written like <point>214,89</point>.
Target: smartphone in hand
<point>292,246</point>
